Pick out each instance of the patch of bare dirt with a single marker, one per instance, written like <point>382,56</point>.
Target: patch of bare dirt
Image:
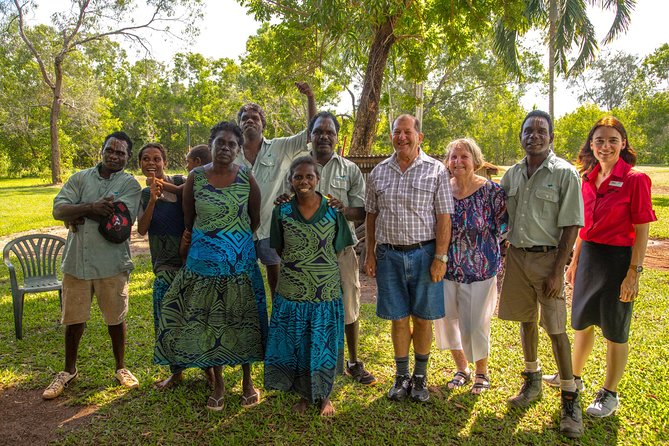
<point>657,255</point>
<point>27,419</point>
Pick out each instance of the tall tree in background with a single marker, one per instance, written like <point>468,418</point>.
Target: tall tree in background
<point>371,29</point>
<point>607,80</point>
<point>566,24</point>
<point>85,22</point>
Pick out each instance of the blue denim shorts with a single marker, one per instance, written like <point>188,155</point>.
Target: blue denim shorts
<point>266,254</point>
<point>404,285</point>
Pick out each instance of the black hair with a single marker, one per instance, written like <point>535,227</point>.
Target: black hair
<point>303,160</point>
<point>251,106</point>
<point>538,114</point>
<point>226,126</point>
<point>324,115</point>
<point>152,145</point>
<point>120,136</point>
<point>200,151</point>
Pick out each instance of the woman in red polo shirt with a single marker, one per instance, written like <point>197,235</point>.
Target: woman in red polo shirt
<point>609,253</point>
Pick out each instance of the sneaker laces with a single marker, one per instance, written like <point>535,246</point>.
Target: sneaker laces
<point>61,379</point>
<point>125,374</point>
<point>601,397</point>
<point>568,406</point>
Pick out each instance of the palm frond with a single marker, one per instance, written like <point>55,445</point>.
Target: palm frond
<point>505,46</point>
<point>621,21</point>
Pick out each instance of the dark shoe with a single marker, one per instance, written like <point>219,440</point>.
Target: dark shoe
<point>605,404</point>
<point>359,374</point>
<point>529,392</point>
<point>401,389</point>
<point>419,392</point>
<point>571,423</point>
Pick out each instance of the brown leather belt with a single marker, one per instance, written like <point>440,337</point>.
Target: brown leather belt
<point>411,247</point>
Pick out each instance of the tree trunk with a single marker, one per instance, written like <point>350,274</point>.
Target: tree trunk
<point>368,109</point>
<point>552,24</point>
<point>53,122</point>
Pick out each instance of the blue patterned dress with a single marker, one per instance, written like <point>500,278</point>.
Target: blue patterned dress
<point>215,312</point>
<point>306,332</point>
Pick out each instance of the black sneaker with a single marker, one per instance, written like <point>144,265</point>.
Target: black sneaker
<point>419,391</point>
<point>401,389</point>
<point>571,421</point>
<point>359,374</point>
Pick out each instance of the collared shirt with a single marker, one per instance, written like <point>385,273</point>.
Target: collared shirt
<point>407,203</point>
<point>341,179</point>
<point>269,170</point>
<point>622,201</point>
<point>539,207</point>
<point>87,254</point>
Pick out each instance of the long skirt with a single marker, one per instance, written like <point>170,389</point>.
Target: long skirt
<point>304,345</point>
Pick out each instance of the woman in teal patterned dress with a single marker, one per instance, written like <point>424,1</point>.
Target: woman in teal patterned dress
<point>307,327</point>
<point>215,314</point>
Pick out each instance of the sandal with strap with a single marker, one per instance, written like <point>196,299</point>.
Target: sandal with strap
<point>459,380</point>
<point>251,400</point>
<point>219,403</point>
<point>480,387</point>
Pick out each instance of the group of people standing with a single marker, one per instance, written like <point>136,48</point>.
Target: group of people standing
<point>435,234</point>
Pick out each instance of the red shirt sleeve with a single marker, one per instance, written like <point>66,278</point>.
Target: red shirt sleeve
<point>641,206</point>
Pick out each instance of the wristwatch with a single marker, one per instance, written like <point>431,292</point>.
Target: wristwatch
<point>442,257</point>
<point>637,268</point>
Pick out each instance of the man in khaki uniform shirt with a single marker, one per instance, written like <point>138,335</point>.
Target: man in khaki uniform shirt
<point>545,209</point>
<point>342,181</point>
<point>269,161</point>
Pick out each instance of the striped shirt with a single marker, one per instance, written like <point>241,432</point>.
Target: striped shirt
<point>407,203</point>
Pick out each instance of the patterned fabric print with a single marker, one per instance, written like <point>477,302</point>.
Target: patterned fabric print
<point>161,284</point>
<point>477,224</point>
<point>305,343</point>
<point>309,269</point>
<point>215,311</point>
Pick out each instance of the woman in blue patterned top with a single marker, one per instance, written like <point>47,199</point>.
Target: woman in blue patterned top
<point>214,314</point>
<point>306,333</point>
<point>470,284</point>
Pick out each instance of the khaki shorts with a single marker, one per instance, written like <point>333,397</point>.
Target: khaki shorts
<point>522,291</point>
<point>350,284</point>
<point>110,292</point>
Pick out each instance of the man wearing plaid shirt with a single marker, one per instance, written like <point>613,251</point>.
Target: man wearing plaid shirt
<point>408,203</point>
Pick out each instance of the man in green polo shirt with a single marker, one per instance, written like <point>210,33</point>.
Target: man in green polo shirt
<point>92,265</point>
<point>545,212</point>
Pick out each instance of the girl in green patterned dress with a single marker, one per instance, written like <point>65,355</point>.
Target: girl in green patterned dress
<point>307,326</point>
<point>215,314</point>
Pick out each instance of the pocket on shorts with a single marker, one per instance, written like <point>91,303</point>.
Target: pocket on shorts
<point>381,252</point>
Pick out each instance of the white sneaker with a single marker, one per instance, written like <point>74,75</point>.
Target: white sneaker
<point>126,378</point>
<point>554,381</point>
<point>605,404</point>
<point>58,384</point>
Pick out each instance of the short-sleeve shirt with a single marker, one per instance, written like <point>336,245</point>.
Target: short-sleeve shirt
<point>309,268</point>
<point>269,170</point>
<point>87,254</point>
<point>407,203</point>
<point>478,223</point>
<point>341,179</point>
<point>622,201</point>
<point>166,227</point>
<point>539,207</point>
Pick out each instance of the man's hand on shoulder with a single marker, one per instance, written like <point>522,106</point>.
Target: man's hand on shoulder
<point>283,198</point>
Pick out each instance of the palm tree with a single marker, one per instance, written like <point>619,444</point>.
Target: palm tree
<point>567,24</point>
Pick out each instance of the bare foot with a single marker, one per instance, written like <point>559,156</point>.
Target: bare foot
<point>327,409</point>
<point>172,381</point>
<point>209,374</point>
<point>301,406</point>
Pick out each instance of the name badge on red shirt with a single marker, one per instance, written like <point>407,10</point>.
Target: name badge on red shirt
<point>616,183</point>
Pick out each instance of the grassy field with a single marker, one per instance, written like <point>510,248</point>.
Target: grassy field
<point>25,204</point>
<point>365,416</point>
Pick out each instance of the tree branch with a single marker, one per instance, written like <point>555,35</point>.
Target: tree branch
<point>31,47</point>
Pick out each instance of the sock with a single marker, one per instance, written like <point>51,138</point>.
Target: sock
<point>402,365</point>
<point>568,384</point>
<point>532,366</point>
<point>420,368</point>
<point>612,393</point>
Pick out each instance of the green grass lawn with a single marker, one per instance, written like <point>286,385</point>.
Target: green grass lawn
<point>364,415</point>
<point>26,204</point>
